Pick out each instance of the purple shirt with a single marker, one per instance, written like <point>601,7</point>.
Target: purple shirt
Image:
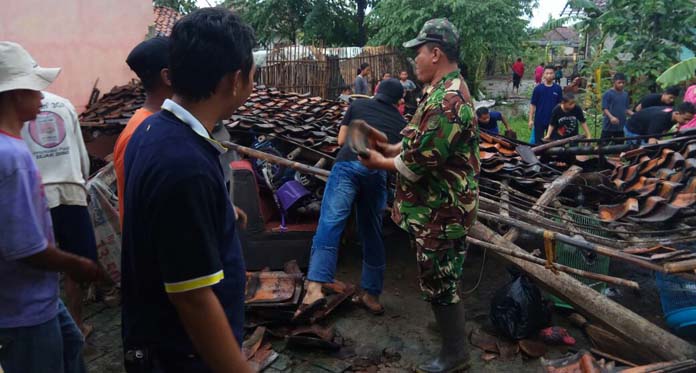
<point>28,296</point>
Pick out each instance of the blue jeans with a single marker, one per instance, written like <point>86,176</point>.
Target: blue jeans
<point>628,133</point>
<point>54,346</point>
<point>351,182</point>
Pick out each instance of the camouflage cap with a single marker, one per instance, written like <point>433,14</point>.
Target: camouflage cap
<point>438,30</point>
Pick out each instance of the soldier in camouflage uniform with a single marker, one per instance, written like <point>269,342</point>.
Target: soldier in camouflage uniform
<point>437,167</point>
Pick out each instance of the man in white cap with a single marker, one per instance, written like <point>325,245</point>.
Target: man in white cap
<point>37,333</point>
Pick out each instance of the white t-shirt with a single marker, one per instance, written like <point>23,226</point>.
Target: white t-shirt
<point>55,140</point>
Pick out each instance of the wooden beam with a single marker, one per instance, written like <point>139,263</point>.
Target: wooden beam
<point>620,320</point>
<point>548,196</point>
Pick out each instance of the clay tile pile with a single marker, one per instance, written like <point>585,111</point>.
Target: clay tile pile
<point>309,121</point>
<point>501,160</point>
<point>115,108</point>
<point>165,18</point>
<point>657,185</point>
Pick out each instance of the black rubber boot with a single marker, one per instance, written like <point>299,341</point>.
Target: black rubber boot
<point>454,353</point>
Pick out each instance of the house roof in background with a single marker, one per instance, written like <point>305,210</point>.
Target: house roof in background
<point>563,34</point>
<point>164,20</point>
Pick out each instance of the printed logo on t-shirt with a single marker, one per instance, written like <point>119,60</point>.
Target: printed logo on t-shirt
<point>47,130</point>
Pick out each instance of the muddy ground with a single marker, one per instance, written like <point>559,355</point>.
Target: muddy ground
<point>401,338</point>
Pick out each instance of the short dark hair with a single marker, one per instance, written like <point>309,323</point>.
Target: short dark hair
<point>619,76</point>
<point>686,108</point>
<point>519,60</point>
<point>451,51</point>
<point>568,97</point>
<point>674,90</point>
<point>549,67</point>
<point>363,66</point>
<point>208,44</point>
<point>481,111</point>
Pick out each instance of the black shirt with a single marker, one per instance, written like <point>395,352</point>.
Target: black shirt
<point>380,115</point>
<point>566,123</point>
<point>651,121</point>
<point>651,100</point>
<point>178,235</point>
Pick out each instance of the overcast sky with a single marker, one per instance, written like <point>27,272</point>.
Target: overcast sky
<point>541,14</point>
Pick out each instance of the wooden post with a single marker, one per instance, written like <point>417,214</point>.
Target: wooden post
<point>687,265</point>
<point>549,195</point>
<point>620,320</point>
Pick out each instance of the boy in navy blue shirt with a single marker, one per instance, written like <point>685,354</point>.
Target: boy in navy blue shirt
<point>544,98</point>
<point>183,272</point>
<point>488,120</point>
<point>615,107</point>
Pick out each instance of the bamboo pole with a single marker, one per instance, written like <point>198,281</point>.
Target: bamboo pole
<point>574,271</point>
<point>620,320</point>
<point>317,172</point>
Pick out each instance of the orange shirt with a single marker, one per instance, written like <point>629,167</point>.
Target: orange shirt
<point>120,153</point>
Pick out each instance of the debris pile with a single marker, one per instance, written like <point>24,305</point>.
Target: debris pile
<point>298,118</point>
<point>656,185</point>
<point>115,108</point>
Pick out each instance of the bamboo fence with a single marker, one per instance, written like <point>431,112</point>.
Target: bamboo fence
<point>323,71</point>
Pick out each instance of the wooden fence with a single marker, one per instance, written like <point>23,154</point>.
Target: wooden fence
<point>324,71</point>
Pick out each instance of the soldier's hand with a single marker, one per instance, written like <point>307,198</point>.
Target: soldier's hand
<point>531,124</point>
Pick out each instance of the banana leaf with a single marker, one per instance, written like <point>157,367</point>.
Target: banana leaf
<point>678,73</point>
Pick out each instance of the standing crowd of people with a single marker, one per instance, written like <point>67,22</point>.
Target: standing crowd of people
<point>183,274</point>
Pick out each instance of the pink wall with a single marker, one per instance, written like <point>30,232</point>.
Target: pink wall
<point>89,39</point>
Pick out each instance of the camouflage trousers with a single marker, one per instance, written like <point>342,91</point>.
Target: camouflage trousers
<point>440,265</point>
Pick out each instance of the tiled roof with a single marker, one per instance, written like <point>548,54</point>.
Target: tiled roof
<point>164,20</point>
<point>565,34</point>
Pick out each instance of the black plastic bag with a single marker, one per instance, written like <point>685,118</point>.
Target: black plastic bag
<point>518,310</point>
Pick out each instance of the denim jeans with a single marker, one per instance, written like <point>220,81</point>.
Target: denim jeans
<point>54,346</point>
<point>628,133</point>
<point>351,182</point>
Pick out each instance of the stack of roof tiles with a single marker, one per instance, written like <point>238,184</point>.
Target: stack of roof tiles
<point>115,108</point>
<point>501,160</point>
<point>165,18</point>
<point>657,185</point>
<point>309,121</point>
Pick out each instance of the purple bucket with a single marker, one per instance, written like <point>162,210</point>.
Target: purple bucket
<point>291,192</point>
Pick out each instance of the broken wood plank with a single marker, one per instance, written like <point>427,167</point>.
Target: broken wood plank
<point>687,265</point>
<point>611,357</point>
<point>548,196</point>
<point>620,320</point>
<point>574,271</point>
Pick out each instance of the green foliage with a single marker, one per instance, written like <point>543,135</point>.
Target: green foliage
<point>646,37</point>
<point>486,28</point>
<point>181,6</point>
<point>678,73</point>
<point>331,22</point>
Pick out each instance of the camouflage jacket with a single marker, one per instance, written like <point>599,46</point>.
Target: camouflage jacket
<point>437,182</point>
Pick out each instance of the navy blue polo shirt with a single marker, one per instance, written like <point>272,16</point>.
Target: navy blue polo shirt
<point>178,231</point>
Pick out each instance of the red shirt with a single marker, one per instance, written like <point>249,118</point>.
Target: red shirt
<point>518,68</point>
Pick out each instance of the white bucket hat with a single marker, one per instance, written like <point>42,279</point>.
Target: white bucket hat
<point>18,70</point>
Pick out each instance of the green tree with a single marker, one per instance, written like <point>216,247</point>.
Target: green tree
<point>486,28</point>
<point>646,36</point>
<point>181,6</point>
